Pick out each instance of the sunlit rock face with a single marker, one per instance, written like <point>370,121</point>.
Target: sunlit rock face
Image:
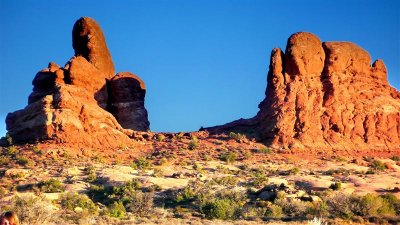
<point>324,95</point>
<point>84,103</point>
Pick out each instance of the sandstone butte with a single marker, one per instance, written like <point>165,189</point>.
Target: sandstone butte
<point>324,96</point>
<point>319,96</point>
<point>83,104</point>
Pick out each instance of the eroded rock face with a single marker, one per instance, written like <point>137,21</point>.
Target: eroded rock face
<point>325,96</point>
<point>126,101</point>
<point>89,42</point>
<point>69,104</point>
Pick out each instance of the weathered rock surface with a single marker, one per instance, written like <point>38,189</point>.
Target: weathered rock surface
<point>325,96</point>
<point>126,101</point>
<point>69,105</point>
<point>89,42</point>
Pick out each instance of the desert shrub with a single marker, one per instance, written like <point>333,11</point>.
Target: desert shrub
<point>4,160</point>
<point>141,163</point>
<point>197,167</point>
<point>294,171</point>
<point>293,208</point>
<point>393,201</point>
<point>336,186</point>
<point>71,201</point>
<point>22,160</point>
<point>3,192</point>
<point>163,161</point>
<point>222,205</point>
<point>228,157</point>
<point>339,205</point>
<point>11,151</point>
<point>237,136</point>
<point>32,210</point>
<point>37,150</point>
<point>259,180</point>
<point>395,158</point>
<point>221,208</point>
<point>193,144</point>
<point>91,174</point>
<point>139,203</point>
<point>250,212</point>
<point>99,193</point>
<point>160,137</point>
<point>274,211</point>
<point>371,205</point>
<point>125,189</point>
<point>226,181</point>
<point>264,150</point>
<point>91,177</point>
<point>116,210</point>
<point>51,186</point>
<point>185,195</point>
<point>378,165</point>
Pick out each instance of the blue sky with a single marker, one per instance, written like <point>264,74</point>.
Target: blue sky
<point>204,62</point>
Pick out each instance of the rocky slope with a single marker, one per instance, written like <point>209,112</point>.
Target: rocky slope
<point>83,103</point>
<point>325,96</point>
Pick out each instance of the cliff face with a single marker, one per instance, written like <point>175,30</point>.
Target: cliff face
<point>325,96</point>
<point>80,104</point>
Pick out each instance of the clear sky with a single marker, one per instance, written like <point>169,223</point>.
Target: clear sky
<point>204,62</point>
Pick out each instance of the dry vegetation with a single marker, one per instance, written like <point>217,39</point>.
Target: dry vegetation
<point>180,180</point>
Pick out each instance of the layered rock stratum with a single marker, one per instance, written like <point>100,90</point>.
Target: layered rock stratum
<point>324,95</point>
<point>83,104</point>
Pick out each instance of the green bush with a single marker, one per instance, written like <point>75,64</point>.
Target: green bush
<point>264,150</point>
<point>51,186</point>
<point>22,160</point>
<point>193,144</point>
<point>228,157</point>
<point>160,137</point>
<point>372,205</point>
<point>116,210</point>
<point>221,208</point>
<point>259,180</point>
<point>125,188</point>
<point>395,158</point>
<point>141,164</point>
<point>393,201</point>
<point>237,136</point>
<point>294,171</point>
<point>185,195</point>
<point>71,201</point>
<point>226,181</point>
<point>222,205</point>
<point>378,165</point>
<point>274,212</point>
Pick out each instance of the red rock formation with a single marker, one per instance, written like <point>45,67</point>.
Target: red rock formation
<point>68,105</point>
<point>88,41</point>
<point>325,96</point>
<point>127,93</point>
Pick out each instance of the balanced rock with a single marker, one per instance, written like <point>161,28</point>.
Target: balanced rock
<point>89,42</point>
<point>324,96</point>
<point>70,104</point>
